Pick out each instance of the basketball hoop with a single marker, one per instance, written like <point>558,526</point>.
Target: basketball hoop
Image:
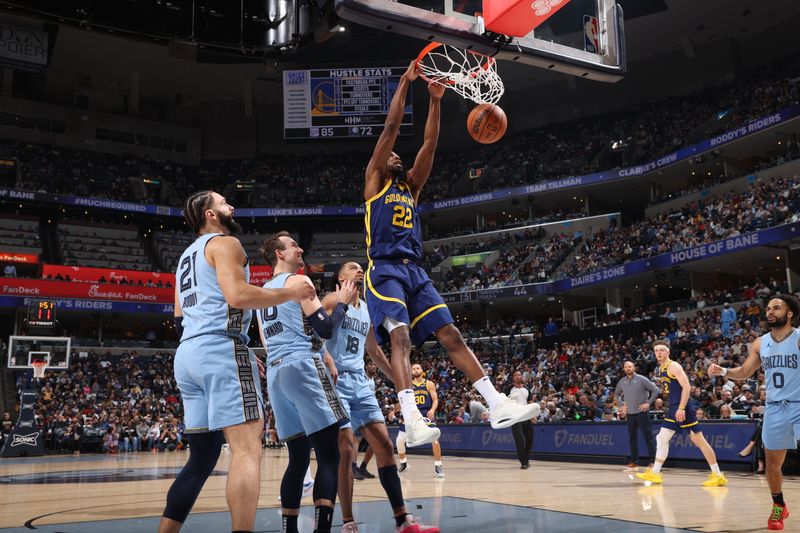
<point>38,369</point>
<point>470,74</point>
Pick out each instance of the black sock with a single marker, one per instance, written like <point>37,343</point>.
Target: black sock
<point>778,499</point>
<point>241,531</point>
<point>355,466</point>
<point>347,520</point>
<point>399,520</point>
<point>289,524</point>
<point>363,465</point>
<point>324,519</point>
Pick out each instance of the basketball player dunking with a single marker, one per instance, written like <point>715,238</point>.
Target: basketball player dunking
<point>778,352</point>
<point>403,304</point>
<point>216,372</point>
<point>347,346</point>
<point>427,401</point>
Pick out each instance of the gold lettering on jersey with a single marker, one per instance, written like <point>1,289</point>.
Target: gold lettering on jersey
<point>398,198</point>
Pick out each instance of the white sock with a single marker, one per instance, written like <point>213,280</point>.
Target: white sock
<point>408,406</point>
<point>657,467</point>
<point>308,479</point>
<point>437,463</point>
<point>715,469</point>
<point>403,461</point>
<point>487,390</point>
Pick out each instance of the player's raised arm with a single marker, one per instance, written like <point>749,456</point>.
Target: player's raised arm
<point>377,167</point>
<point>419,173</point>
<point>227,256</point>
<point>750,365</point>
<point>322,322</point>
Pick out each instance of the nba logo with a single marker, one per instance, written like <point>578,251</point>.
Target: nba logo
<point>591,37</point>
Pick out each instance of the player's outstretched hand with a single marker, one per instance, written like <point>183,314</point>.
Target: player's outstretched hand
<point>412,72</point>
<point>715,370</point>
<point>436,90</point>
<point>347,292</point>
<point>302,291</point>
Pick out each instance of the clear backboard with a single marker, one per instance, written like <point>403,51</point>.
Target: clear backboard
<point>584,38</point>
<point>23,351</point>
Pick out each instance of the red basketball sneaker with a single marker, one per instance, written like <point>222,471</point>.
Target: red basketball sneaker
<point>412,526</point>
<point>776,517</point>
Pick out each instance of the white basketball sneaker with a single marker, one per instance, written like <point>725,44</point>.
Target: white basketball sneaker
<point>418,432</point>
<point>507,412</point>
<point>350,527</point>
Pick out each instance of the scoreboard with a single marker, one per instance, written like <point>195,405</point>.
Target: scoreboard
<point>341,102</point>
<point>42,313</point>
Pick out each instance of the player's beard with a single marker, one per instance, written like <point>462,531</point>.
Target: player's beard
<point>397,173</point>
<point>778,323</point>
<point>228,223</point>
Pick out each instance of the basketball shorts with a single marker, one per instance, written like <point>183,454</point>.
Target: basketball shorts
<point>302,396</point>
<point>689,423</point>
<point>781,429</point>
<point>403,291</point>
<point>219,383</point>
<point>358,400</point>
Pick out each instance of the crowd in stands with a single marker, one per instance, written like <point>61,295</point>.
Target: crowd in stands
<point>110,403</point>
<point>576,380</point>
<point>125,403</point>
<point>766,203</point>
<point>578,147</point>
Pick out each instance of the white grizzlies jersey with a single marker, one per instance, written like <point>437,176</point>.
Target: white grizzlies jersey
<point>204,308</point>
<point>346,345</point>
<point>285,330</point>
<point>780,363</point>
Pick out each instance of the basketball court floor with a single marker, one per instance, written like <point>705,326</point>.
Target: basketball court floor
<point>125,494</point>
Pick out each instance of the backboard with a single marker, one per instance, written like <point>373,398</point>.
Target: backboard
<point>23,351</point>
<point>585,38</point>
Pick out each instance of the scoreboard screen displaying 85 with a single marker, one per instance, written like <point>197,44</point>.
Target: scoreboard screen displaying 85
<point>341,102</point>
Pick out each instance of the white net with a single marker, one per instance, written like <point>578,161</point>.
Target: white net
<point>474,76</point>
<point>39,368</point>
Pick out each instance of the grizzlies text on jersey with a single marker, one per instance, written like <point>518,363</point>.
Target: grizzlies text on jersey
<point>346,345</point>
<point>780,362</point>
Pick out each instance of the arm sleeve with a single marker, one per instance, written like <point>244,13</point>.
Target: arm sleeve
<point>323,324</point>
<point>178,320</point>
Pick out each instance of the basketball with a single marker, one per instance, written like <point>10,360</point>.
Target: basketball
<point>487,123</point>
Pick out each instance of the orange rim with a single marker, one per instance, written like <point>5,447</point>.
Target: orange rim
<point>434,45</point>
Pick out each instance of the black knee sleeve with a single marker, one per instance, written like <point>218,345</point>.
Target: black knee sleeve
<point>390,481</point>
<point>204,451</point>
<point>292,483</point>
<point>326,449</point>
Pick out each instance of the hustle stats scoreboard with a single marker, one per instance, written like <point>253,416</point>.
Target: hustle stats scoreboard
<point>341,102</point>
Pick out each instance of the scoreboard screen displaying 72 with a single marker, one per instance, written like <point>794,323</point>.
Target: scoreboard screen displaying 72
<point>341,102</point>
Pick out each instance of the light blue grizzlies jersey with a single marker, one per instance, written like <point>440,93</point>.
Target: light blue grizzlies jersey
<point>285,330</point>
<point>780,363</point>
<point>346,345</point>
<point>203,305</point>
